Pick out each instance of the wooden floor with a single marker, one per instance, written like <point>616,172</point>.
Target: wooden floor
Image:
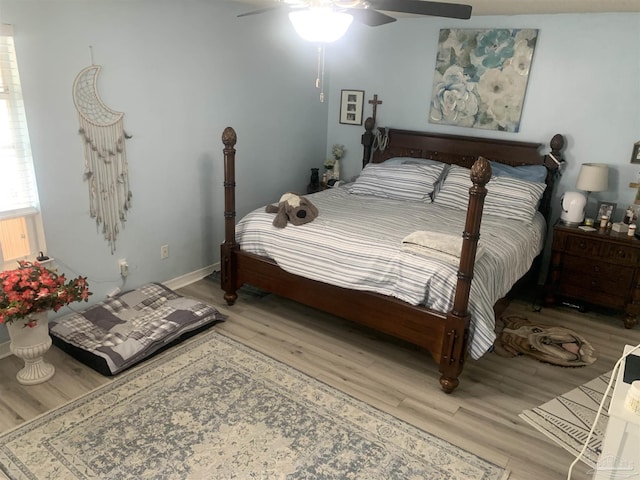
<point>480,416</point>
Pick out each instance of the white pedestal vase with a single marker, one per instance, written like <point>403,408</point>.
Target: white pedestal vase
<point>30,344</point>
<point>329,173</point>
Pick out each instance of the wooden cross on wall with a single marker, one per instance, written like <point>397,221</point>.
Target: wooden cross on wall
<point>636,201</point>
<point>375,102</point>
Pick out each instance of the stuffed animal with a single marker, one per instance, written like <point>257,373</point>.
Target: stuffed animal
<point>293,208</point>
<point>547,343</point>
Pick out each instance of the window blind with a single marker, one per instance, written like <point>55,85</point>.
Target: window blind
<point>18,190</point>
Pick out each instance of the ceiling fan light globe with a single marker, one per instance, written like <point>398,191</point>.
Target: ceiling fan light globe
<point>320,25</point>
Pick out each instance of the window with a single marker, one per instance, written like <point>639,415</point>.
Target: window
<point>21,232</point>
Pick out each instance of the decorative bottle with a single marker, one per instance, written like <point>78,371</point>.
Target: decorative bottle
<point>314,181</point>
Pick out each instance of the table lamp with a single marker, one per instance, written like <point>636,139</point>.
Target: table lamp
<point>593,177</point>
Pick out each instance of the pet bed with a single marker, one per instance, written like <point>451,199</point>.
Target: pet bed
<point>128,328</point>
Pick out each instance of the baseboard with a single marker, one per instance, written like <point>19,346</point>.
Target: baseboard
<point>173,284</point>
<point>191,277</point>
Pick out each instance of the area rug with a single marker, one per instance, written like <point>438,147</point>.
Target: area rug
<point>567,419</point>
<point>214,409</point>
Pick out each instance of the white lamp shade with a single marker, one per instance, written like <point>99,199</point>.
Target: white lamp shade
<point>593,177</point>
<point>320,25</point>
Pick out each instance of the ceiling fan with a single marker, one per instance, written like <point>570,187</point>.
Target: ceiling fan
<point>325,21</point>
<point>367,11</point>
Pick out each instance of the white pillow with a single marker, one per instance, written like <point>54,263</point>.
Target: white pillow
<point>398,182</point>
<point>506,197</point>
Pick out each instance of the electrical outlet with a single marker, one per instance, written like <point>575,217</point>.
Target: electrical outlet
<point>124,267</point>
<point>164,251</point>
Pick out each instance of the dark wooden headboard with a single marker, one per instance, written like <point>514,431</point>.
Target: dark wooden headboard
<point>463,151</point>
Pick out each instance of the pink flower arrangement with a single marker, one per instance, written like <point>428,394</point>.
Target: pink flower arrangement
<point>32,288</point>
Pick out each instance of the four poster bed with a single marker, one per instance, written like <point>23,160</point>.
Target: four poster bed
<point>364,258</point>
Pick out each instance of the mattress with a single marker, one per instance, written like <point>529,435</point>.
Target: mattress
<point>356,243</point>
<point>119,332</point>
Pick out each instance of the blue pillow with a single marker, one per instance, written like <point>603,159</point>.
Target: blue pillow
<point>411,161</point>
<point>530,173</point>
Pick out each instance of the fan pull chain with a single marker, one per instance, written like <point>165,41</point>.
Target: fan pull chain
<point>320,77</point>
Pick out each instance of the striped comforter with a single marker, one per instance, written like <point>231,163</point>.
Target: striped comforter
<point>356,242</point>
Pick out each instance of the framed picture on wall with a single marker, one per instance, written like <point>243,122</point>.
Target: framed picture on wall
<point>635,153</point>
<point>351,104</point>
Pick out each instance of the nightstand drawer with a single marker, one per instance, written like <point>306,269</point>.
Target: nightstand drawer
<point>582,246</point>
<point>620,254</point>
<point>611,252</point>
<point>597,277</point>
<point>584,269</point>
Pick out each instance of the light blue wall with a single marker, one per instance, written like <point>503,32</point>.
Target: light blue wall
<point>181,71</point>
<point>584,83</point>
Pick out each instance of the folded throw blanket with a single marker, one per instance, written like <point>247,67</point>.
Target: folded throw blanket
<point>441,246</point>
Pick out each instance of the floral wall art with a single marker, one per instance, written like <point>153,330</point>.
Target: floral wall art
<point>481,77</point>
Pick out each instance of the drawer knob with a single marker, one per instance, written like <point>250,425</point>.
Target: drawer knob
<point>583,244</point>
<point>596,268</point>
<point>594,283</point>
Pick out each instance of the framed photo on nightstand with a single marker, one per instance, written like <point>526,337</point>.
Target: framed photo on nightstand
<point>605,209</point>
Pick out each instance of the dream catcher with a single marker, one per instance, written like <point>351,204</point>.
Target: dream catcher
<point>106,169</point>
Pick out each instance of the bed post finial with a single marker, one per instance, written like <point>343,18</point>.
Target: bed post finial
<point>557,143</point>
<point>228,273</point>
<point>480,172</point>
<point>553,160</point>
<point>229,137</point>
<point>367,140</point>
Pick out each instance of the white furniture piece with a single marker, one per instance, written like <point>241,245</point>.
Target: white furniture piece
<point>620,457</point>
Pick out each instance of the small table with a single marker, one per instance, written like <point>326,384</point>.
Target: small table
<point>620,457</point>
<point>601,267</point>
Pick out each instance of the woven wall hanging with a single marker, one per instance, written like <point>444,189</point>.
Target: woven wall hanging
<point>106,169</point>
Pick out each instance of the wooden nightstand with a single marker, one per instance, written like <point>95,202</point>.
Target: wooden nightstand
<point>601,268</point>
<point>319,188</point>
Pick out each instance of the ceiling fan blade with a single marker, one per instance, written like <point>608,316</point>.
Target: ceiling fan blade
<point>262,10</point>
<point>369,17</point>
<point>419,7</point>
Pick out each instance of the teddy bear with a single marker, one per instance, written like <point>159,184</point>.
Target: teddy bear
<point>293,208</point>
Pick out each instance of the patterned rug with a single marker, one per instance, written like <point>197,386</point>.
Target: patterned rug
<point>567,419</point>
<point>214,409</point>
<point>552,344</point>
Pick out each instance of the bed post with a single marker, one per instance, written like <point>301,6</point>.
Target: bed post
<point>552,161</point>
<point>367,140</point>
<point>457,328</point>
<point>228,259</point>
